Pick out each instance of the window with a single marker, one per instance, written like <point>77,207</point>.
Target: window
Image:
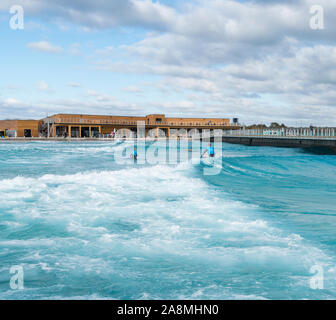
<point>158,120</point>
<point>27,133</point>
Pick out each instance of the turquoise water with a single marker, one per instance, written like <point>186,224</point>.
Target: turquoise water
<point>85,222</point>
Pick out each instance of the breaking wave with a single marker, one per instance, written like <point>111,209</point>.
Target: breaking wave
<point>154,232</point>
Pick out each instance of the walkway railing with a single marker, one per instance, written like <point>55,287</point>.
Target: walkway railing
<point>122,122</point>
<point>284,132</point>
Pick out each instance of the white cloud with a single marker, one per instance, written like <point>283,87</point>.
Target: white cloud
<point>43,86</point>
<point>133,89</point>
<point>195,84</point>
<point>12,102</point>
<point>100,97</point>
<point>99,14</point>
<point>254,59</point>
<point>105,51</point>
<point>76,49</point>
<point>74,84</point>
<point>45,46</point>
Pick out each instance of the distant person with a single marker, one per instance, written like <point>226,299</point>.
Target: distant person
<point>134,155</point>
<point>311,128</point>
<point>210,151</point>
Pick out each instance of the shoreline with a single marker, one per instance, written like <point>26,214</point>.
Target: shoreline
<point>329,144</point>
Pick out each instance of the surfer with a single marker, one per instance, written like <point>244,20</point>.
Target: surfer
<point>134,155</point>
<point>210,151</point>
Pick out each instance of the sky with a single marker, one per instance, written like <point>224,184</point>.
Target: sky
<point>260,61</point>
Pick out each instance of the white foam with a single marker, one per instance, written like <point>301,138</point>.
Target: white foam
<point>144,214</point>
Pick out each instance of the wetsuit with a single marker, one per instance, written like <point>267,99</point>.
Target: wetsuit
<point>211,151</point>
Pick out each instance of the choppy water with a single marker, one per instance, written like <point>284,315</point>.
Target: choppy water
<point>84,225</point>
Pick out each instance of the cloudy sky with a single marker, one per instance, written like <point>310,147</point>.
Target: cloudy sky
<point>257,60</point>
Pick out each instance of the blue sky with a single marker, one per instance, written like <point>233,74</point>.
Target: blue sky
<point>256,60</point>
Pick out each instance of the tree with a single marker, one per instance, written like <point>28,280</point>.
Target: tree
<point>274,125</point>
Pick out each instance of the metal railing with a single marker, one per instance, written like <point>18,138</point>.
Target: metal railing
<point>122,122</point>
<point>325,132</point>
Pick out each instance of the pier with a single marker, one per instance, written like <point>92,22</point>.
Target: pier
<point>283,137</point>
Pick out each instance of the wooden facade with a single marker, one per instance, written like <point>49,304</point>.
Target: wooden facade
<point>22,128</point>
<point>79,125</point>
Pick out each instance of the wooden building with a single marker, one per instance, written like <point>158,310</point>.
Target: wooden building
<point>76,125</point>
<point>81,126</point>
<point>19,128</point>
